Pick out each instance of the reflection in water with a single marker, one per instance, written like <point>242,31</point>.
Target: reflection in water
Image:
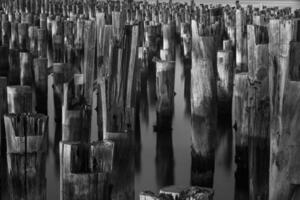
<point>164,158</point>
<point>203,152</point>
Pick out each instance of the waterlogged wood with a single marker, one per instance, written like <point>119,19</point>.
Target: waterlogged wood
<point>26,138</point>
<point>19,99</point>
<point>26,69</point>
<point>84,170</point>
<point>41,84</point>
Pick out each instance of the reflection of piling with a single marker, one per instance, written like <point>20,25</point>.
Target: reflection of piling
<point>164,158</point>
<point>84,170</point>
<point>26,137</point>
<point>240,120</point>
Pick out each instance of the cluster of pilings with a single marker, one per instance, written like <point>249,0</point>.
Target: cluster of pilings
<point>243,62</point>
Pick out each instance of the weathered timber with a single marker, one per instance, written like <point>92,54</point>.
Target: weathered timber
<point>32,36</point>
<point>26,138</point>
<point>132,68</point>
<point>240,121</point>
<point>6,32</point>
<point>241,41</point>
<point>168,32</point>
<point>89,60</point>
<point>58,40</point>
<point>19,99</point>
<point>283,107</point>
<point>13,43</point>
<point>85,166</point>
<point>41,84</point>
<point>259,123</point>
<point>42,43</point>
<point>76,115</point>
<point>165,80</point>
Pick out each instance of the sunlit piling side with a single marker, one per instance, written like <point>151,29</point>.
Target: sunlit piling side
<point>26,138</point>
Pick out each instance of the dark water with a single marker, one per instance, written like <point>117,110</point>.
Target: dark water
<point>163,157</point>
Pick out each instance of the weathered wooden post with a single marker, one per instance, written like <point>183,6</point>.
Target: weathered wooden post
<point>76,115</point>
<point>284,108</point>
<point>165,80</point>
<point>42,43</point>
<point>240,120</point>
<point>241,41</point>
<point>19,99</point>
<point>26,138</point>
<point>23,37</point>
<point>259,118</point>
<point>41,84</point>
<point>84,170</point>
<point>58,40</point>
<point>203,110</point>
<point>61,74</point>
<point>225,81</point>
<point>26,69</point>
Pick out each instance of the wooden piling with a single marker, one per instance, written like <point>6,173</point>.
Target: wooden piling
<point>26,69</point>
<point>41,84</point>
<point>76,115</point>
<point>26,138</point>
<point>85,166</point>
<point>19,99</point>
